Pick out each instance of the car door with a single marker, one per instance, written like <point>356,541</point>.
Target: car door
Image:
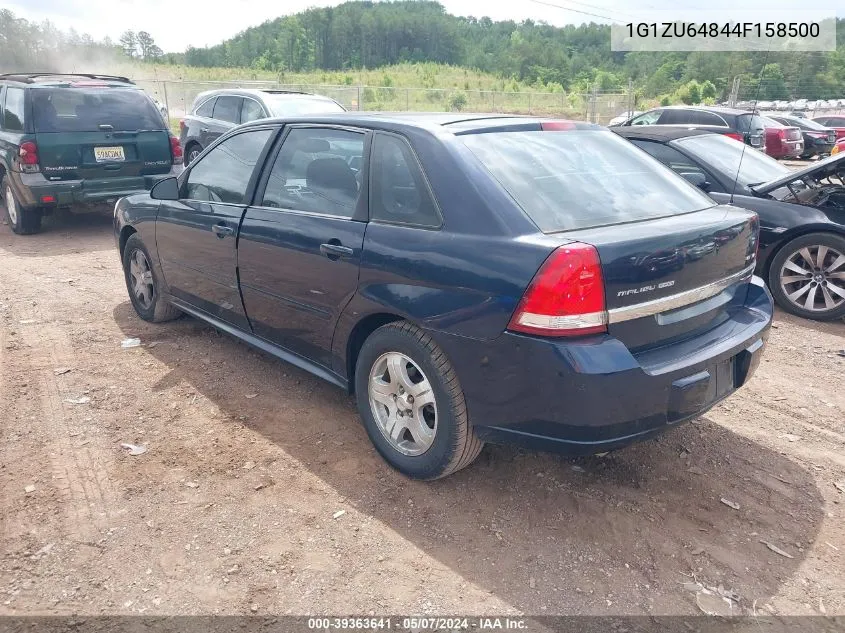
<point>252,110</point>
<point>196,236</point>
<point>227,114</point>
<point>299,246</point>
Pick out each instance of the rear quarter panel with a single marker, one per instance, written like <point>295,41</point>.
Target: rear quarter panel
<point>137,214</point>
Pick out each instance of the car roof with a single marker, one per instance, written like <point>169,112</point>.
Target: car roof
<point>716,109</point>
<point>59,80</point>
<point>664,133</point>
<point>458,122</point>
<point>259,92</point>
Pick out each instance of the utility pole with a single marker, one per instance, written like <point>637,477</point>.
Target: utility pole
<point>732,99</point>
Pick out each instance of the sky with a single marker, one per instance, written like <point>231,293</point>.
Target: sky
<point>176,24</point>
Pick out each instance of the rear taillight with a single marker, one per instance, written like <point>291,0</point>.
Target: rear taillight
<point>735,136</point>
<point>176,150</point>
<point>182,125</point>
<point>28,156</point>
<point>566,296</point>
<point>782,134</point>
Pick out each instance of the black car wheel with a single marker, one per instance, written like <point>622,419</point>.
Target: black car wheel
<point>23,221</point>
<point>412,404</point>
<point>193,150</point>
<point>143,284</point>
<point>807,276</point>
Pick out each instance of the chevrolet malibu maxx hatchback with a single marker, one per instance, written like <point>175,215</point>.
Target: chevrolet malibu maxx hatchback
<point>470,278</point>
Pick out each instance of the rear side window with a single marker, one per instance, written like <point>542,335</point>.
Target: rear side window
<point>647,118</point>
<point>749,122</point>
<point>86,109</point>
<point>708,118</point>
<point>251,111</point>
<point>206,109</point>
<point>399,193</point>
<point>223,174</point>
<point>582,178</point>
<point>672,158</point>
<point>13,112</point>
<point>228,109</point>
<point>317,171</point>
<point>674,117</point>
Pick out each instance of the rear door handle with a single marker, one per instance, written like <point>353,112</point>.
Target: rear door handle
<point>221,230</point>
<point>336,251</point>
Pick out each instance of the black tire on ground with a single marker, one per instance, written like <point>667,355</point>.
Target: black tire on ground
<point>158,310</point>
<point>455,445</point>
<point>811,241</point>
<point>22,221</point>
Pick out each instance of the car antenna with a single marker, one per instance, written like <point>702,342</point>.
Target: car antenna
<point>753,113</point>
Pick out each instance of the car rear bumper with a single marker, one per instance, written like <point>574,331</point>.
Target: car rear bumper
<point>592,395</point>
<point>34,190</point>
<point>786,149</point>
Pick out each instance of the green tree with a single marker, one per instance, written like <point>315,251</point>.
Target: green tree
<point>129,43</point>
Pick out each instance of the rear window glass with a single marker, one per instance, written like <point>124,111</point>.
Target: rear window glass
<point>747,122</point>
<point>14,118</point>
<point>583,178</point>
<point>86,109</point>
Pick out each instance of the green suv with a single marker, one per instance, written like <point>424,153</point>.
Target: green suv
<point>77,141</point>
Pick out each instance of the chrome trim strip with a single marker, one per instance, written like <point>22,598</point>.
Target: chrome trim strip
<point>679,300</point>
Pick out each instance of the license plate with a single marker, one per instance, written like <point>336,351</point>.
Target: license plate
<point>109,154</point>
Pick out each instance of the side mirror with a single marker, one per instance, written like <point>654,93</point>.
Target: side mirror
<point>167,189</point>
<point>698,179</point>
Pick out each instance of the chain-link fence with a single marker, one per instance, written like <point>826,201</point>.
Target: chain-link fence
<point>597,107</point>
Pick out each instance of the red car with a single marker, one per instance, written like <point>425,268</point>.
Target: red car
<point>836,122</point>
<point>782,141</point>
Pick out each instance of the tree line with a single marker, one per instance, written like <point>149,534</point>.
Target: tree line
<point>367,34</point>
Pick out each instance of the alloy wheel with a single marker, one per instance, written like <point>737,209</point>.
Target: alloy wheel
<point>813,278</point>
<point>142,279</point>
<point>403,403</point>
<point>11,205</point>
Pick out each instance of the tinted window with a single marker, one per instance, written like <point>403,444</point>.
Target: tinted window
<point>709,118</point>
<point>2,100</point>
<point>228,109</point>
<point>206,109</point>
<point>649,118</point>
<point>399,192</point>
<point>316,171</point>
<point>292,105</point>
<point>86,109</point>
<point>13,118</point>
<point>834,122</point>
<point>676,117</point>
<point>746,122</point>
<point>223,174</point>
<point>582,178</point>
<point>726,155</point>
<point>670,157</point>
<point>251,111</point>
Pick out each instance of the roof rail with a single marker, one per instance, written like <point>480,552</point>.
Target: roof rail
<point>29,78</point>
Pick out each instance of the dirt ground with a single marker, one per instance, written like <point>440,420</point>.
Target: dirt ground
<point>236,505</point>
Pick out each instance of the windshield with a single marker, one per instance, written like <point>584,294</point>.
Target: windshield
<point>86,109</point>
<point>287,105</point>
<point>582,178</point>
<point>725,153</point>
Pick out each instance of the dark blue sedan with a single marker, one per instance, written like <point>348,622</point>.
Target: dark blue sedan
<point>469,278</point>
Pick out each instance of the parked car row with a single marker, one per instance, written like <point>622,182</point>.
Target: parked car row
<point>779,135</point>
<point>799,105</point>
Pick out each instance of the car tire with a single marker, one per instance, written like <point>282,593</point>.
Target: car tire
<point>412,359</point>
<point>793,280</point>
<point>22,221</point>
<point>143,284</point>
<point>191,152</point>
